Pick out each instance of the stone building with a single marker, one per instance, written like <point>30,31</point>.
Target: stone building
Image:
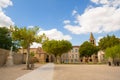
<point>94,57</point>
<point>40,55</point>
<point>72,56</point>
<point>101,56</point>
<point>92,39</point>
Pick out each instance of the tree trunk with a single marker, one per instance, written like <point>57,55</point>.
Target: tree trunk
<point>55,59</point>
<point>61,59</point>
<point>58,59</point>
<point>23,50</point>
<point>27,58</point>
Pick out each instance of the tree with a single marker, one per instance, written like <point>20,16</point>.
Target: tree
<point>87,49</point>
<point>108,41</point>
<point>57,48</point>
<point>113,52</point>
<point>26,36</point>
<point>5,38</point>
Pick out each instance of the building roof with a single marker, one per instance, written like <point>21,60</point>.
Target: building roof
<point>91,36</point>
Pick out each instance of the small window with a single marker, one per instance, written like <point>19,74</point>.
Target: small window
<point>71,60</point>
<point>76,55</point>
<point>72,55</point>
<point>76,50</point>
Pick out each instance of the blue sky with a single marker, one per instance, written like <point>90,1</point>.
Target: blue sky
<point>72,20</point>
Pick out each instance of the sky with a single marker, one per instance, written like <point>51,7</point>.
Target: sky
<point>71,20</point>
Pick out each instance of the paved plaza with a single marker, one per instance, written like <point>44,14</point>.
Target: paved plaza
<point>86,72</point>
<point>61,72</point>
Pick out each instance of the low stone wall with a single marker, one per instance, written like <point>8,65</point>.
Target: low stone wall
<point>3,56</point>
<point>17,58</point>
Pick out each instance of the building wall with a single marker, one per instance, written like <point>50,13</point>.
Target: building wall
<point>72,56</point>
<point>3,56</point>
<point>38,53</point>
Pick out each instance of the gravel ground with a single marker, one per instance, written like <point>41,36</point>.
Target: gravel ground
<point>67,72</point>
<point>86,72</point>
<point>13,72</point>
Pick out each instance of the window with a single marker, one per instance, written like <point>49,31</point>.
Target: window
<point>72,55</point>
<point>71,60</point>
<point>76,55</point>
<point>76,50</point>
<point>76,60</point>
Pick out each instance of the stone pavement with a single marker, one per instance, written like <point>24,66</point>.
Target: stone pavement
<point>86,72</point>
<point>61,72</point>
<point>42,73</point>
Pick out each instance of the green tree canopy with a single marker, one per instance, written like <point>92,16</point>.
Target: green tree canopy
<point>26,36</point>
<point>108,41</point>
<point>113,52</point>
<point>5,38</point>
<point>87,49</point>
<point>57,48</point>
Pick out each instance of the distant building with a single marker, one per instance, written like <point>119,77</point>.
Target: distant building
<point>101,56</point>
<point>94,57</point>
<point>92,39</point>
<point>41,55</point>
<point>72,56</point>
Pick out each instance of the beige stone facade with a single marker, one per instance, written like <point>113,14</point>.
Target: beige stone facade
<point>38,52</point>
<point>72,56</point>
<point>41,55</point>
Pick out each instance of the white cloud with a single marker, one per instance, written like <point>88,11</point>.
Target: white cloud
<point>74,12</point>
<point>35,45</point>
<point>51,34</point>
<point>30,27</point>
<point>66,21</point>
<point>5,3</point>
<point>55,34</point>
<point>4,19</point>
<point>98,39</point>
<point>113,3</point>
<point>97,19</point>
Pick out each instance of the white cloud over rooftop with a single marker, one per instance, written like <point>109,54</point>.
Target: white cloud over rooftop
<point>52,34</point>
<point>104,18</point>
<point>55,34</point>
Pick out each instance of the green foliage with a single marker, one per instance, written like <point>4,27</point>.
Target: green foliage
<point>113,52</point>
<point>57,47</point>
<point>108,41</point>
<point>5,38</point>
<point>32,54</point>
<point>26,36</point>
<point>87,49</point>
<point>16,45</point>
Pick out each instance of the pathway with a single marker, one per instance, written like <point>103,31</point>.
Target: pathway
<point>42,73</point>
